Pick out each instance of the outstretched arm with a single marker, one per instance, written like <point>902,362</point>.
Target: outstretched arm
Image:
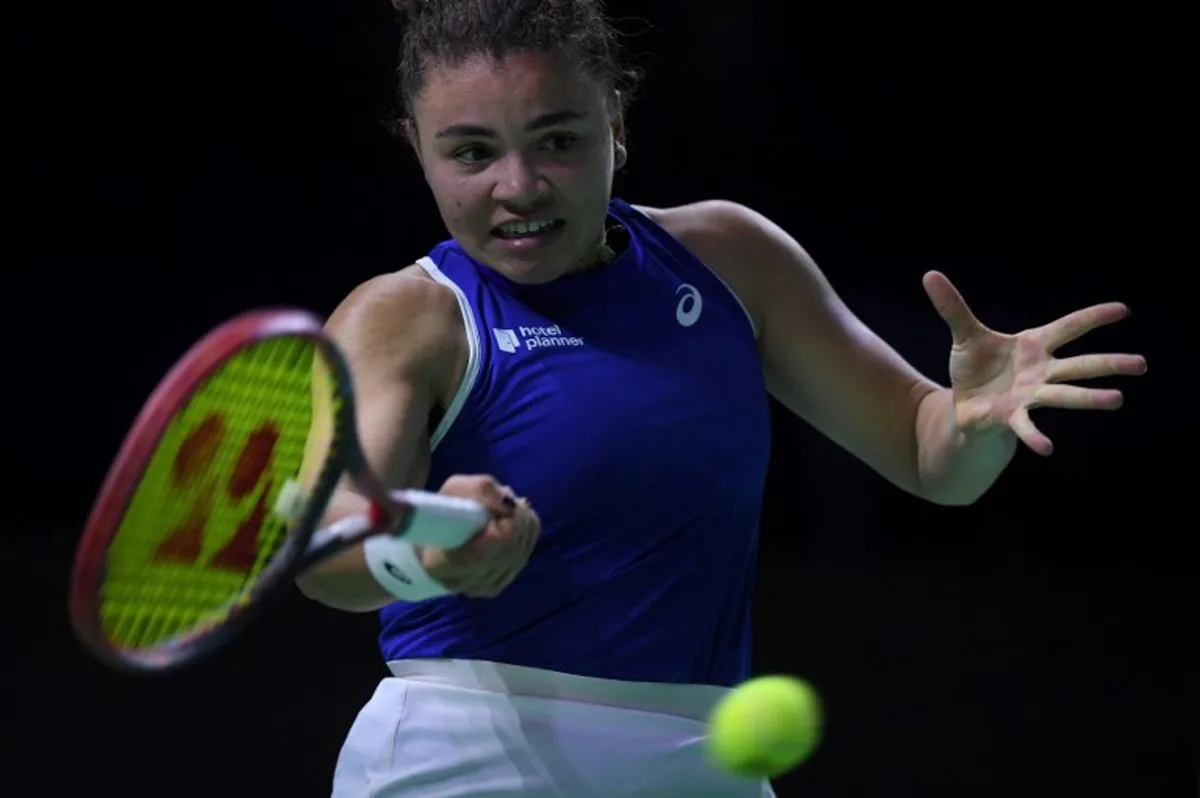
<point>947,445</point>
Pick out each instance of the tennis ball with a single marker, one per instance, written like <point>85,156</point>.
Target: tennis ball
<point>765,726</point>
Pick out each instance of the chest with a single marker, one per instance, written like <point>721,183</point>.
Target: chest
<point>655,392</point>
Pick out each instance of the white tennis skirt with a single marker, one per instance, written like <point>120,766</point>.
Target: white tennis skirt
<point>463,728</point>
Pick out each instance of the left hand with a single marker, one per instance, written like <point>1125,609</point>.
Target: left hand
<point>998,378</point>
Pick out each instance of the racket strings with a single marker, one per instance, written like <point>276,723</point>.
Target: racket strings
<point>199,531</point>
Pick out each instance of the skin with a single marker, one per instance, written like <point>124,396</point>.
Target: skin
<point>514,165</point>
<point>404,340</point>
<point>403,333</point>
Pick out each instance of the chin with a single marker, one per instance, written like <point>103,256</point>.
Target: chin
<point>537,266</point>
<point>530,271</point>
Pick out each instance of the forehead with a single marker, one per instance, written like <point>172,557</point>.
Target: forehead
<point>513,88</point>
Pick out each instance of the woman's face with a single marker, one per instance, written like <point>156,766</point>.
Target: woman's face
<point>519,153</point>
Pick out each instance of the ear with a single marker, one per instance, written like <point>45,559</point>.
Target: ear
<point>620,153</point>
<point>617,119</point>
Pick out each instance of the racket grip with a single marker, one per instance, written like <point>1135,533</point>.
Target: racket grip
<point>438,520</point>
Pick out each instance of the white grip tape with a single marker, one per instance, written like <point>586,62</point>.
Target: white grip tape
<point>397,569</point>
<point>444,521</point>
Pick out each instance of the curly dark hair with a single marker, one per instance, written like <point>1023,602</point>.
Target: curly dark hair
<point>449,32</point>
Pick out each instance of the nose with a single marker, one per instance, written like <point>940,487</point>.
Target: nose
<point>519,183</point>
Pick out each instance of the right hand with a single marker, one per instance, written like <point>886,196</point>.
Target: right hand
<point>492,559</point>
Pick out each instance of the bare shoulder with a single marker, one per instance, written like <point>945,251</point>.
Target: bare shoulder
<point>402,322</point>
<point>738,243</point>
<point>720,229</point>
<point>685,216</point>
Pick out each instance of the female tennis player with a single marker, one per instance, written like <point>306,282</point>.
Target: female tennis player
<point>610,365</point>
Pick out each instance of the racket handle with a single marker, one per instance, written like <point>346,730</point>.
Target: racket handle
<point>438,520</point>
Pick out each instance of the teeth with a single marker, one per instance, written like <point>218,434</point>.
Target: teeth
<point>525,228</point>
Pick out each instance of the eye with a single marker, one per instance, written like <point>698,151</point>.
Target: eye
<point>560,142</point>
<point>472,155</point>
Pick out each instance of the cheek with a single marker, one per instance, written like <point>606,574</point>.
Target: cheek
<point>583,176</point>
<point>467,207</point>
<point>456,194</point>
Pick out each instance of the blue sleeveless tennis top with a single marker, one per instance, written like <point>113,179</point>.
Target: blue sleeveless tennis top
<point>627,403</point>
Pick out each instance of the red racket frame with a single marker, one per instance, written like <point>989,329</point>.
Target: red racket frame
<point>184,378</point>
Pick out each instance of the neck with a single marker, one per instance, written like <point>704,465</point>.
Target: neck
<point>600,255</point>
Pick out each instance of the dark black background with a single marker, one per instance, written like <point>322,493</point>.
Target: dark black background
<point>177,164</point>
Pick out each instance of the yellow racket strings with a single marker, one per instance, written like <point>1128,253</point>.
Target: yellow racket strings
<point>200,527</point>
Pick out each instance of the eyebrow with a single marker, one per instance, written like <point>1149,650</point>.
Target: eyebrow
<point>544,121</point>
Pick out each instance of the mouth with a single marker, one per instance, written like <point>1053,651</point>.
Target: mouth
<point>532,229</point>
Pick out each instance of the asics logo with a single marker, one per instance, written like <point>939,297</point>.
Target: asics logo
<point>392,569</point>
<point>687,312</point>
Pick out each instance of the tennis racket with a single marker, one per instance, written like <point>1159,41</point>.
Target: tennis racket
<point>213,503</point>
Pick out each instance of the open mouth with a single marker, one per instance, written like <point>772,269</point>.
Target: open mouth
<point>530,229</point>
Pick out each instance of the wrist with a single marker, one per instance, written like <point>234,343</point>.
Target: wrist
<point>398,567</point>
<point>982,433</point>
<point>959,457</point>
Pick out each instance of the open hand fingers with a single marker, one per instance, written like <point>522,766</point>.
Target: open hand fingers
<point>1030,435</point>
<point>1073,397</point>
<point>951,306</point>
<point>1066,397</point>
<point>1090,367</point>
<point>1063,331</point>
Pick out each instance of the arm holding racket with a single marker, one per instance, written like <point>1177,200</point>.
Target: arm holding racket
<point>404,340</point>
<point>281,447</point>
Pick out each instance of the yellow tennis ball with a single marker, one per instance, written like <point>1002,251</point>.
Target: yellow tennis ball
<point>765,726</point>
